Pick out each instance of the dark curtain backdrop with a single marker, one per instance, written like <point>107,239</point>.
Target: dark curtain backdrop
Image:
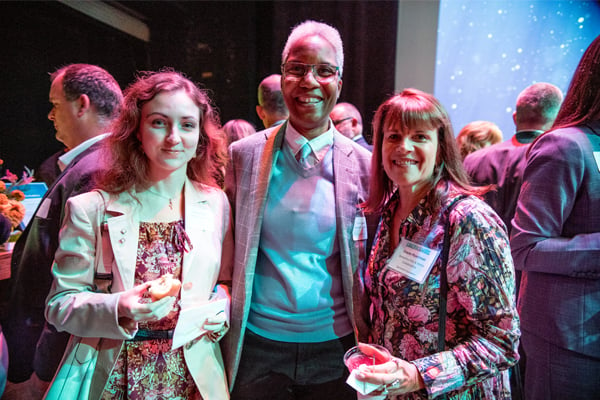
<point>226,46</point>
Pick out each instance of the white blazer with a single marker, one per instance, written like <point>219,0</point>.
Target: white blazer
<point>74,305</point>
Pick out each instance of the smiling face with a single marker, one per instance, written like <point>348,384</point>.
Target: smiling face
<point>409,157</point>
<point>169,132</point>
<point>308,100</point>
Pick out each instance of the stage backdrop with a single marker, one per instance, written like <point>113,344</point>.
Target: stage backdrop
<point>488,51</point>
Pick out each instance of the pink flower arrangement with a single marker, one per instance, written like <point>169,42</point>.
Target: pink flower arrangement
<point>10,200</point>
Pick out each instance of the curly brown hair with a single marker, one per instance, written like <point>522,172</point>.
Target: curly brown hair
<point>129,165</point>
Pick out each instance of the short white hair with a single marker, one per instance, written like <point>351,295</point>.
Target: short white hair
<point>314,28</point>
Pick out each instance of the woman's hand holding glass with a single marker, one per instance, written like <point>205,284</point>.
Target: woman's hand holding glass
<point>397,376</point>
<point>131,310</point>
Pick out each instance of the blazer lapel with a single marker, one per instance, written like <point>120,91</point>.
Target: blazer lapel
<point>260,180</point>
<point>196,214</point>
<point>123,229</point>
<point>346,188</point>
<point>261,176</point>
<point>346,200</point>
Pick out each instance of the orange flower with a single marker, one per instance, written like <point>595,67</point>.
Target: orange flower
<point>17,195</point>
<point>15,211</point>
<point>10,205</point>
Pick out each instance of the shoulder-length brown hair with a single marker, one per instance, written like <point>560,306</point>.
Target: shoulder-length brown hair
<point>412,109</point>
<point>129,165</point>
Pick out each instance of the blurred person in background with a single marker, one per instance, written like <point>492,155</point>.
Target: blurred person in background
<point>271,108</point>
<point>555,242</point>
<point>237,129</point>
<point>477,135</point>
<point>348,121</point>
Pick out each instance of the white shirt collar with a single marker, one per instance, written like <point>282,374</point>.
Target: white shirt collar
<point>319,145</point>
<point>70,155</point>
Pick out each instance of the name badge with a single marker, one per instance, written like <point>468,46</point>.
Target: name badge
<point>413,260</point>
<point>359,232</point>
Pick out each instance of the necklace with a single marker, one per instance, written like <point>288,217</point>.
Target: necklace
<point>162,196</point>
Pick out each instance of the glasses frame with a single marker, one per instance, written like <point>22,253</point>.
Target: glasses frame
<point>336,122</point>
<point>311,68</point>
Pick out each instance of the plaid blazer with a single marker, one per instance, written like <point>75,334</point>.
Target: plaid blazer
<point>555,241</point>
<point>250,172</point>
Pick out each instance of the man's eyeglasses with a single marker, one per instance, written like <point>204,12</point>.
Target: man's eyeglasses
<point>321,72</point>
<point>336,122</point>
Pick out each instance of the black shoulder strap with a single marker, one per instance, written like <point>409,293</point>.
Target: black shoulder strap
<point>444,278</point>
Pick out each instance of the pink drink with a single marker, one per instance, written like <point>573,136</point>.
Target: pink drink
<point>356,360</point>
<point>355,357</point>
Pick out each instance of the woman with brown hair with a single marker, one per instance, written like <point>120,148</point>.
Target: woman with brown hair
<point>157,212</point>
<point>440,280</point>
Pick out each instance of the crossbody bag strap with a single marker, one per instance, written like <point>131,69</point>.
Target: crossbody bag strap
<point>444,278</point>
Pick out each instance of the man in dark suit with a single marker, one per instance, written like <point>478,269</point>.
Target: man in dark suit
<point>49,169</point>
<point>555,242</point>
<point>502,164</point>
<point>300,236</point>
<point>348,122</point>
<point>85,100</point>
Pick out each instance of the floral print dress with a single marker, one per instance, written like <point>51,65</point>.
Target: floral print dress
<point>149,369</point>
<point>482,326</point>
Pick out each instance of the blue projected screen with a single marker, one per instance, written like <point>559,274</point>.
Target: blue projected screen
<point>488,51</point>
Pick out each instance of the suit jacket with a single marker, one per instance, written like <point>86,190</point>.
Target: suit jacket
<point>501,164</point>
<point>363,142</point>
<point>31,265</point>
<point>556,241</point>
<point>251,165</point>
<point>75,307</point>
<point>48,170</point>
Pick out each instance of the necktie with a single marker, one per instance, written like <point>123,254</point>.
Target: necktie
<point>305,156</point>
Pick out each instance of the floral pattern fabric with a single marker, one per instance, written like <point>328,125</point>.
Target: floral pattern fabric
<point>149,369</point>
<point>482,326</point>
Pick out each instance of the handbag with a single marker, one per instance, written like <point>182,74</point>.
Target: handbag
<point>74,377</point>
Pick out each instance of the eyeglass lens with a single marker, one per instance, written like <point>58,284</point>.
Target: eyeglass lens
<point>299,70</point>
